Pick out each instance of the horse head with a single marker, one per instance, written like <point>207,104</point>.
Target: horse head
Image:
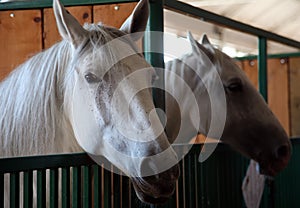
<point>229,107</point>
<point>108,102</point>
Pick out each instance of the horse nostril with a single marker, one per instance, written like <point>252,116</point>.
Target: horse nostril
<point>282,152</point>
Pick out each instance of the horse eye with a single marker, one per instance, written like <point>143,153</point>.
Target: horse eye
<point>91,78</point>
<point>235,86</point>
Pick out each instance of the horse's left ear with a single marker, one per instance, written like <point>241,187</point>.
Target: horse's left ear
<point>68,27</point>
<point>199,49</point>
<point>207,44</point>
<point>196,47</point>
<point>137,21</point>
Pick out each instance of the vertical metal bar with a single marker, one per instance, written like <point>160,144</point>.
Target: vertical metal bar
<point>14,190</point>
<point>107,188</point>
<point>184,205</point>
<point>196,175</point>
<point>27,188</point>
<point>53,188</point>
<point>263,88</point>
<point>96,186</point>
<point>76,188</point>
<point>125,192</point>
<point>153,42</point>
<point>262,67</point>
<point>65,175</point>
<point>41,188</point>
<point>116,188</point>
<point>86,189</point>
<point>1,190</point>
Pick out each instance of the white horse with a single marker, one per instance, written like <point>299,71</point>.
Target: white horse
<point>214,87</point>
<point>90,91</point>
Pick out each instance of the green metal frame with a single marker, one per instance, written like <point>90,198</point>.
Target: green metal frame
<point>262,67</point>
<point>154,42</point>
<point>270,56</point>
<point>37,4</point>
<point>204,15</point>
<point>39,163</point>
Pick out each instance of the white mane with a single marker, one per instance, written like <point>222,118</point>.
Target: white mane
<point>32,100</point>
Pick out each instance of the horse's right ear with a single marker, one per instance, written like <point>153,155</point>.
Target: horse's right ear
<point>137,21</point>
<point>68,27</point>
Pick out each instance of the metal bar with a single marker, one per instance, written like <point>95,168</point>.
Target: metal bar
<point>76,187</point>
<point>125,191</point>
<point>65,177</point>
<point>196,12</point>
<point>96,186</point>
<point>153,44</point>
<point>41,188</point>
<point>270,56</point>
<point>37,4</point>
<point>27,189</point>
<point>54,188</point>
<point>116,188</point>
<point>262,67</point>
<point>14,190</point>
<point>107,188</point>
<point>17,164</point>
<point>1,190</point>
<point>86,187</point>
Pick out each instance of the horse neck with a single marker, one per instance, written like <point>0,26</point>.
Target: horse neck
<point>31,113</point>
<point>189,110</point>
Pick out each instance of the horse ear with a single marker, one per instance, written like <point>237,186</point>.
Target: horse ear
<point>207,44</point>
<point>68,27</point>
<point>205,40</point>
<point>196,47</point>
<point>199,49</point>
<point>137,21</point>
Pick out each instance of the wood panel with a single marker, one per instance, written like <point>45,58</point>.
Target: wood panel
<point>251,69</point>
<point>20,37</point>
<point>278,90</point>
<point>81,13</point>
<point>294,76</point>
<point>113,14</point>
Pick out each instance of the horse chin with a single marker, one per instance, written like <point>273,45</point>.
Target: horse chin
<point>153,193</point>
<point>271,169</point>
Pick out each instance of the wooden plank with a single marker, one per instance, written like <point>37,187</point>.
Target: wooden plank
<point>294,76</point>
<point>113,14</point>
<point>251,69</point>
<point>20,38</point>
<point>278,90</point>
<point>82,13</point>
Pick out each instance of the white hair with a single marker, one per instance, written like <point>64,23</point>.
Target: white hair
<point>32,99</point>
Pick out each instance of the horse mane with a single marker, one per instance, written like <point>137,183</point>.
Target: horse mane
<point>32,99</point>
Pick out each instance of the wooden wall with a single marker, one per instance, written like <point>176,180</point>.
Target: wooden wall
<point>294,92</point>
<point>26,32</point>
<point>23,33</point>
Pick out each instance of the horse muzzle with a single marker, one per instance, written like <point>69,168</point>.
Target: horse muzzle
<point>277,162</point>
<point>156,189</point>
